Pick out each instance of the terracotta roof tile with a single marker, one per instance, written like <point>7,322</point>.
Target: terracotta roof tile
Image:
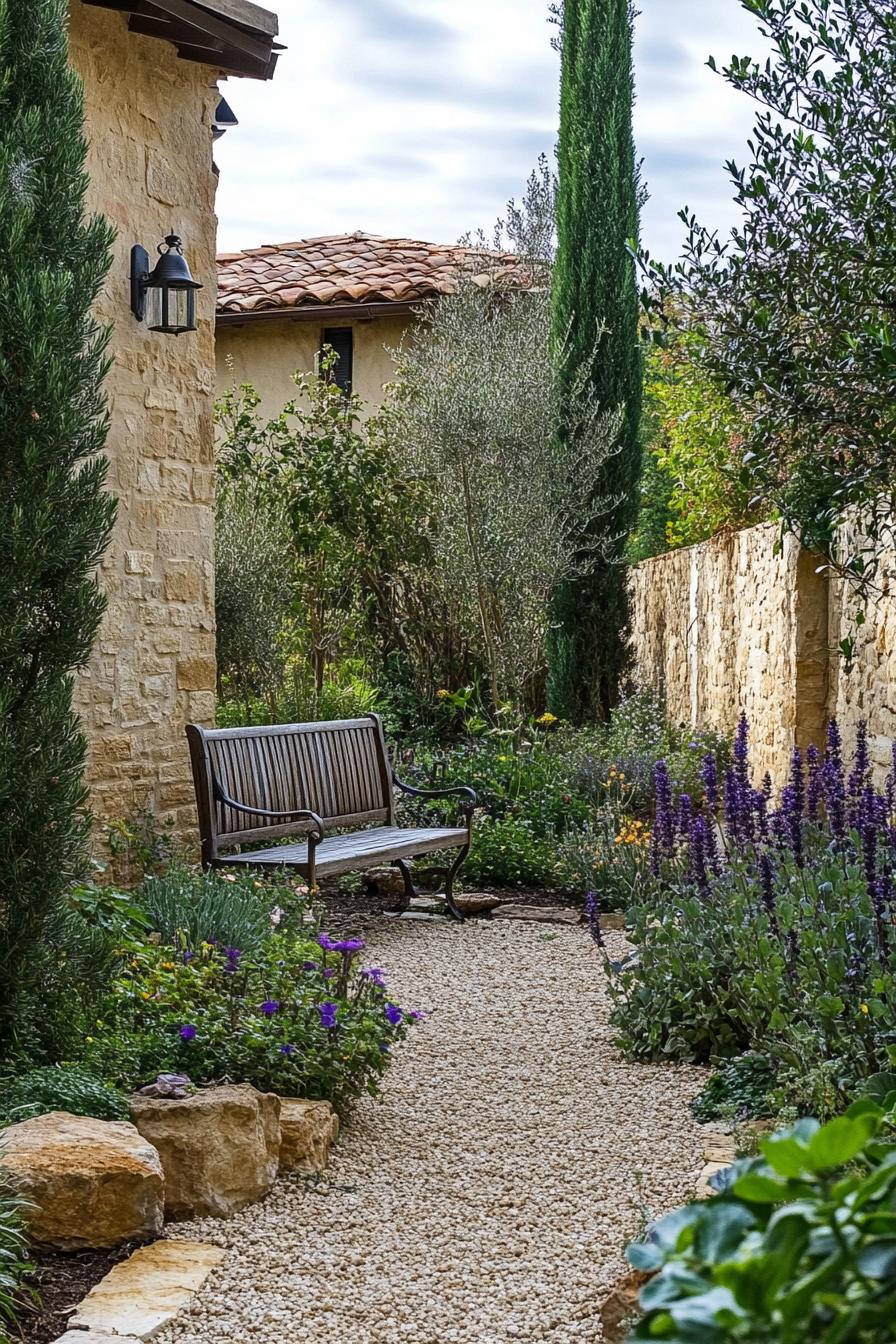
<point>352,268</point>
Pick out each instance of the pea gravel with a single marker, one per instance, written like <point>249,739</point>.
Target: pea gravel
<point>488,1194</point>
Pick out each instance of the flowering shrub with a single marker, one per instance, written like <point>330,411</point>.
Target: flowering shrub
<point>770,926</point>
<point>552,805</point>
<point>294,1015</point>
<point>797,1246</point>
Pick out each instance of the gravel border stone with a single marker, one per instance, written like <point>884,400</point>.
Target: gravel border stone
<point>488,1195</point>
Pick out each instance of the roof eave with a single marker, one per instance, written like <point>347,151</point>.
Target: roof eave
<point>316,312</point>
<point>234,36</point>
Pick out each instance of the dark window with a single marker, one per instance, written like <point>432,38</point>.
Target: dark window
<point>340,338</point>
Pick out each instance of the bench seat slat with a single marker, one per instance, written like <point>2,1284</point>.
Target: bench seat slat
<point>341,853</point>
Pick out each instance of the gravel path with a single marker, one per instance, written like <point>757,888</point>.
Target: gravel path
<point>487,1196</point>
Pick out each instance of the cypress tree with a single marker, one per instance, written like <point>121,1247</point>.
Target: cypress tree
<point>55,517</point>
<point>595,327</point>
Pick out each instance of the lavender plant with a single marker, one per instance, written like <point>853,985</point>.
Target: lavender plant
<point>769,924</point>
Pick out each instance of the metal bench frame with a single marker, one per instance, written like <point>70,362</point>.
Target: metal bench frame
<point>265,784</point>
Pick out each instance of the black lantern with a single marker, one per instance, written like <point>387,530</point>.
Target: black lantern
<point>165,296</point>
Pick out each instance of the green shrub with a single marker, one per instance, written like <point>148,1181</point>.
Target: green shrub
<point>739,1090</point>
<point>14,1261</point>
<point>799,1245</point>
<point>53,1088</point>
<point>292,1015</point>
<point>188,907</point>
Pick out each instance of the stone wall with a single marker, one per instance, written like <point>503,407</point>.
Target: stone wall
<point>267,354</point>
<point>149,125</point>
<point>866,690</point>
<point>738,623</point>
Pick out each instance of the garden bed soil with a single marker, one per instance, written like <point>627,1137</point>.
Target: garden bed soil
<point>62,1280</point>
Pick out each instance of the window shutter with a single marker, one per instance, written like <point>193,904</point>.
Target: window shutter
<point>341,339</point>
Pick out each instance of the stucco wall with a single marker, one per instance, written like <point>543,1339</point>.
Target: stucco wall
<point>738,623</point>
<point>267,354</point>
<point>153,669</point>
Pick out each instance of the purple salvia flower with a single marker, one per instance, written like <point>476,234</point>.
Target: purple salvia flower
<point>327,1014</point>
<point>793,954</point>
<point>760,808</point>
<point>663,827</point>
<point>767,787</point>
<point>709,776</point>
<point>592,914</point>
<point>232,957</point>
<point>798,782</point>
<point>685,812</point>
<point>792,823</point>
<point>742,754</point>
<point>814,789</point>
<point>834,793</point>
<point>861,764</point>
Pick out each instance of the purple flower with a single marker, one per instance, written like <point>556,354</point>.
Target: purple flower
<point>376,975</point>
<point>685,812</point>
<point>188,957</point>
<point>188,1032</point>
<point>394,1015</point>
<point>345,945</point>
<point>328,972</point>
<point>270,1007</point>
<point>814,790</point>
<point>663,841</point>
<point>861,764</point>
<point>327,1014</point>
<point>287,1050</point>
<point>592,913</point>
<point>709,776</point>
<point>698,854</point>
<point>232,956</point>
<point>309,965</point>
<point>417,1016</point>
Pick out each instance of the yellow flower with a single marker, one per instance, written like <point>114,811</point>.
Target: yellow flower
<point>442,694</point>
<point>864,1007</point>
<point>167,965</point>
<point>146,994</point>
<point>89,1040</point>
<point>547,719</point>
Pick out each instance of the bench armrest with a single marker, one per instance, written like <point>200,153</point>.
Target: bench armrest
<point>302,814</point>
<point>458,790</point>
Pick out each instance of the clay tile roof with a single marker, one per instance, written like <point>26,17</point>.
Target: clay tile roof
<point>353,268</point>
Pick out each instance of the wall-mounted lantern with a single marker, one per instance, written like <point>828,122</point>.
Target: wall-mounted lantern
<point>166,296</point>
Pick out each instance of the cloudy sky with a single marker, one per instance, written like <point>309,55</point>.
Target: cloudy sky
<point>419,118</point>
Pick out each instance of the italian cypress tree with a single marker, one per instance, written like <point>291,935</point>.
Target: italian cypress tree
<point>55,517</point>
<point>595,325</point>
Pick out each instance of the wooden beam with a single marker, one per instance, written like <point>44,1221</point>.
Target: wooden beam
<point>223,38</point>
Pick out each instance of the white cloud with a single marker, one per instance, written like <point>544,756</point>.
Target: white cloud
<point>420,117</point>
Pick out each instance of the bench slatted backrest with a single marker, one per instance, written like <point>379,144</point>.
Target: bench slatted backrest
<point>340,770</point>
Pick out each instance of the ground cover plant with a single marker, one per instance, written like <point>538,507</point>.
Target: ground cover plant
<point>768,925</point>
<point>798,1245</point>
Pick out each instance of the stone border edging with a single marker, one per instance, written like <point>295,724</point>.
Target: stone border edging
<point>139,1296</point>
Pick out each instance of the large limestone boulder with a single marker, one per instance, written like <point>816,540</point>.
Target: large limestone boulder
<point>220,1149</point>
<point>308,1130</point>
<point>89,1183</point>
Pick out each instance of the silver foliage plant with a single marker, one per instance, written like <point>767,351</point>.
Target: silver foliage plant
<point>477,406</point>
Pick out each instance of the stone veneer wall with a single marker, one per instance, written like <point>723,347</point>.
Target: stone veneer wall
<point>149,125</point>
<point>738,623</point>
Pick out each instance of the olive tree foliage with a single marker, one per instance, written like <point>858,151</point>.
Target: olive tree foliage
<point>795,314</point>
<point>476,406</point>
<point>318,507</point>
<point>253,594</point>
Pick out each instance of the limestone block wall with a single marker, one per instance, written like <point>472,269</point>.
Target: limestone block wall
<point>866,689</point>
<point>737,623</point>
<point>150,161</point>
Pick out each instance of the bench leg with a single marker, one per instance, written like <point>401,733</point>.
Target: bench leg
<point>449,884</point>
<point>410,890</point>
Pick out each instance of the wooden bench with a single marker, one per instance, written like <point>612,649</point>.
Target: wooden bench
<point>258,785</point>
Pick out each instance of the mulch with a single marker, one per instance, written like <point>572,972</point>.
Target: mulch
<point>61,1279</point>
